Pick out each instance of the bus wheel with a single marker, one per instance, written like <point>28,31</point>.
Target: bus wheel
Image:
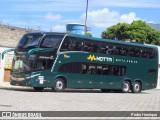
<point>126,87</point>
<point>136,87</point>
<point>38,88</point>
<point>59,85</point>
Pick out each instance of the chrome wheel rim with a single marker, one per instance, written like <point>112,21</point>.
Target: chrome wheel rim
<point>59,85</point>
<point>126,87</point>
<point>136,87</point>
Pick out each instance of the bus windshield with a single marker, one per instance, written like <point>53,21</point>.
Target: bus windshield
<point>21,66</point>
<point>30,41</point>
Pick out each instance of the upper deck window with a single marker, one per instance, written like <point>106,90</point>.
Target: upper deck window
<point>152,55</point>
<point>122,51</point>
<point>51,41</point>
<point>91,47</point>
<point>104,48</point>
<point>144,54</point>
<point>72,44</point>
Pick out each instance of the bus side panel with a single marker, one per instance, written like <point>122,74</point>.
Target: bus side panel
<point>43,78</point>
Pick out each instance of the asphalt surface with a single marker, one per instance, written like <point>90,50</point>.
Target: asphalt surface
<point>26,99</point>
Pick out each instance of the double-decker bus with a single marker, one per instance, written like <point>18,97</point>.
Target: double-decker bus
<point>59,61</point>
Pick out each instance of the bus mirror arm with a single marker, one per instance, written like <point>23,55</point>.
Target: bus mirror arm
<point>32,51</point>
<point>6,51</point>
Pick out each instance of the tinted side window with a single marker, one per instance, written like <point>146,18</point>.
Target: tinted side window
<point>78,45</point>
<point>118,70</point>
<point>49,64</point>
<point>138,53</point>
<point>87,47</point>
<point>76,68</point>
<point>99,70</point>
<point>84,69</point>
<point>65,45</point>
<point>70,68</point>
<point>88,69</point>
<point>152,72</point>
<point>51,41</point>
<point>115,70</point>
<point>104,48</point>
<point>144,54</point>
<point>122,51</point>
<point>103,70</point>
<point>123,70</point>
<point>72,44</point>
<point>91,47</point>
<point>111,50</point>
<point>65,68</point>
<point>106,70</point>
<point>152,55</point>
<point>131,52</point>
<point>40,65</point>
<point>43,64</point>
<point>115,50</point>
<point>94,47</point>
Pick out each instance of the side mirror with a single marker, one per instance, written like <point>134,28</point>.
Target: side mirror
<point>6,51</point>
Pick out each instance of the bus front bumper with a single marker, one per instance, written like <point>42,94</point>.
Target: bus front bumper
<point>20,81</point>
<point>34,79</point>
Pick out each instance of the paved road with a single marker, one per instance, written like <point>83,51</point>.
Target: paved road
<point>81,100</point>
<point>18,99</point>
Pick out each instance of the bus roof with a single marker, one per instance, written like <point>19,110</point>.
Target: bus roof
<point>112,41</point>
<point>59,33</point>
<point>97,39</point>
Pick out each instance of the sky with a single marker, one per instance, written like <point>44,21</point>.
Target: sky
<point>53,15</point>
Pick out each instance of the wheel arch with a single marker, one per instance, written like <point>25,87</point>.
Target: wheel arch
<point>129,80</point>
<point>62,77</point>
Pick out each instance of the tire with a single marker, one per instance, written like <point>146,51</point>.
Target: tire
<point>126,87</point>
<point>38,88</point>
<point>136,88</point>
<point>106,90</point>
<point>59,85</point>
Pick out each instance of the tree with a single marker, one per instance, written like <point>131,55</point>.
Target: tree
<point>139,31</point>
<point>88,34</point>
